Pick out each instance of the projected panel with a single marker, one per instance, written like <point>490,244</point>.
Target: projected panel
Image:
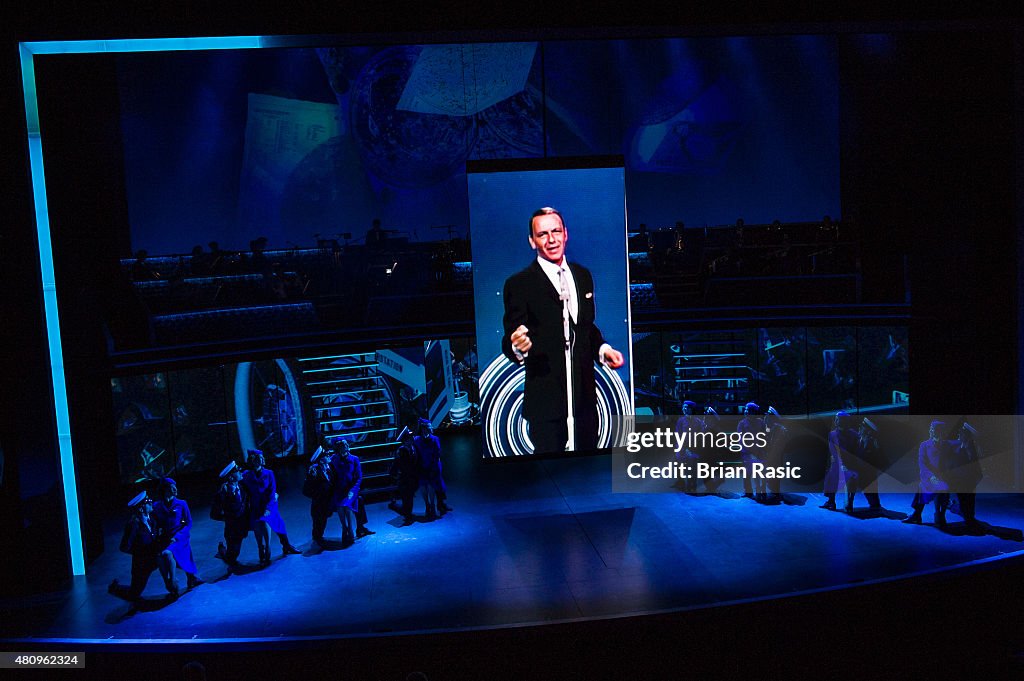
<point>781,370</point>
<point>712,368</point>
<point>784,367</point>
<point>832,369</point>
<point>142,423</point>
<point>512,289</point>
<point>196,420</point>
<point>883,363</point>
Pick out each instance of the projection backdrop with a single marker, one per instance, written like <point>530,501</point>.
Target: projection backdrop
<point>175,422</point>
<point>801,371</point>
<point>294,143</point>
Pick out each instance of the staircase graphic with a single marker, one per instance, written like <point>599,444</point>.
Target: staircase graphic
<point>351,400</point>
<point>712,368</point>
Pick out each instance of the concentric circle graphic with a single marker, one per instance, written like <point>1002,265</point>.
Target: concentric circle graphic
<point>501,401</point>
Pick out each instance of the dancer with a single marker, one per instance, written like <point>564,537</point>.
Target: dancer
<point>963,472</point>
<point>841,441</point>
<point>932,453</point>
<point>174,519</point>
<point>751,455</point>
<point>143,541</point>
<point>709,455</point>
<point>347,476</point>
<point>261,487</point>
<point>778,438</point>
<point>428,455</point>
<point>319,487</point>
<point>865,466</point>
<point>689,422</point>
<point>405,473</point>
<point>231,505</point>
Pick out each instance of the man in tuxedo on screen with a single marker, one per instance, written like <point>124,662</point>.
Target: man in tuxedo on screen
<point>550,306</point>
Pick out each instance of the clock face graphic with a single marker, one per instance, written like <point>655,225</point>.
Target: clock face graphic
<point>268,408</point>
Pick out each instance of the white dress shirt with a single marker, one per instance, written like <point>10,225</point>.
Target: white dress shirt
<point>551,270</point>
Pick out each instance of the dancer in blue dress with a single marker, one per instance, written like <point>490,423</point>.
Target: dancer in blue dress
<point>261,486</point>
<point>173,517</point>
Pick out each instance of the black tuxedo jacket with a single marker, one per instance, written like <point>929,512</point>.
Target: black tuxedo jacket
<point>532,301</point>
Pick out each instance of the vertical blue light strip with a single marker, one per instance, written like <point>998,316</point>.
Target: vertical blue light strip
<point>35,148</point>
<point>60,393</point>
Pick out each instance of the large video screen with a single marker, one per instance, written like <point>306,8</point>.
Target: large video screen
<point>527,392</point>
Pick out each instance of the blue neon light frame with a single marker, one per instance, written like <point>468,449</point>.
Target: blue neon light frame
<point>28,51</point>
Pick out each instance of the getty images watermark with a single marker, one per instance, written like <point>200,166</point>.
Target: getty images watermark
<point>774,453</point>
<point>688,466</point>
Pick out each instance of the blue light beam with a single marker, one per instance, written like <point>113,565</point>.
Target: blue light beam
<point>27,51</point>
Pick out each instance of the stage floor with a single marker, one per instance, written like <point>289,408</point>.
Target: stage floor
<point>529,542</point>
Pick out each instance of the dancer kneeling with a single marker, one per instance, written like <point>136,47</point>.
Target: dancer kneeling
<point>231,505</point>
<point>143,541</point>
